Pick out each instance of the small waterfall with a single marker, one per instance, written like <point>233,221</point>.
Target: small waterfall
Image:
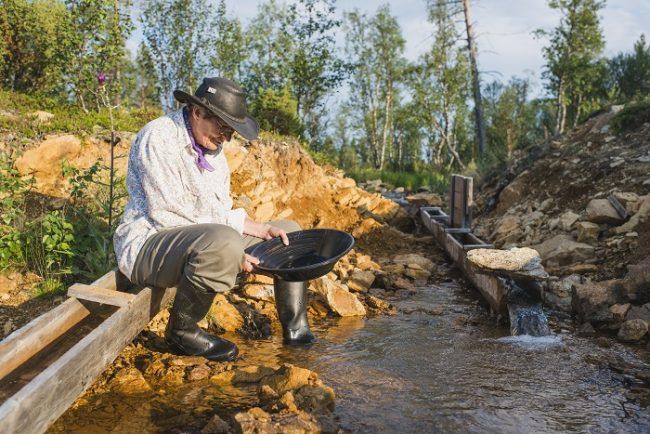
<point>525,311</point>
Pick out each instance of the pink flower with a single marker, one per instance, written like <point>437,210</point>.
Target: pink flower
<point>101,78</point>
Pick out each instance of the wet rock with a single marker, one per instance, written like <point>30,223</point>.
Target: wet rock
<point>288,377</point>
<point>567,220</point>
<point>200,372</point>
<point>414,258</point>
<point>216,425</point>
<point>223,316</point>
<point>188,361</point>
<point>415,272</point>
<point>588,232</point>
<point>559,292</point>
<point>129,381</point>
<point>601,211</point>
<point>378,306</point>
<point>251,374</point>
<point>288,402</point>
<point>257,420</point>
<point>360,280</point>
<point>523,263</point>
<point>591,301</point>
<point>562,250</point>
<point>315,397</point>
<point>632,330</point>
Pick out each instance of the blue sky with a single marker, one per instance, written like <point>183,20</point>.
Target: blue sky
<point>506,45</point>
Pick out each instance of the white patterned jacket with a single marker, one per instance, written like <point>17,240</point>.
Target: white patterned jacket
<point>167,188</point>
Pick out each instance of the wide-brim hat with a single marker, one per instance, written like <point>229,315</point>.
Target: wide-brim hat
<point>223,98</point>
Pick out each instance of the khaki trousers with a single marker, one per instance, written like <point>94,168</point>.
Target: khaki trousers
<point>205,256</point>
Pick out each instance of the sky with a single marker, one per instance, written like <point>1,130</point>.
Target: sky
<point>504,30</point>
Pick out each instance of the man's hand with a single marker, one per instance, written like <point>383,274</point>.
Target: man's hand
<point>249,263</point>
<point>264,231</point>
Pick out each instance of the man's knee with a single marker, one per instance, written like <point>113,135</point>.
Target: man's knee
<point>224,239</point>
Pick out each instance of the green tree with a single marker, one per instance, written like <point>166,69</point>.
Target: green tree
<point>96,43</point>
<point>573,75</point>
<point>630,72</point>
<point>510,116</point>
<point>230,45</point>
<point>268,48</point>
<point>315,69</point>
<point>148,84</point>
<point>31,56</point>
<point>375,48</point>
<point>179,34</point>
<point>277,112</point>
<point>440,82</point>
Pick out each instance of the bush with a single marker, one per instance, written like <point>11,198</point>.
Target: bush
<point>277,112</point>
<point>409,180</point>
<point>631,117</point>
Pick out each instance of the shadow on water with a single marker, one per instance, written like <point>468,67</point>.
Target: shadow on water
<point>454,370</point>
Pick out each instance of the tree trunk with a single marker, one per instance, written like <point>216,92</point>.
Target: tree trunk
<point>560,115</point>
<point>476,83</point>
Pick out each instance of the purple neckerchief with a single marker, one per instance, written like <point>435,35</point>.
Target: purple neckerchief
<point>200,150</point>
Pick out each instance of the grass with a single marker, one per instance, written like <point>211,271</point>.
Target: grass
<point>436,181</point>
<point>67,118</point>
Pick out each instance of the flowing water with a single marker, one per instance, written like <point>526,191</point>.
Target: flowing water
<point>440,365</point>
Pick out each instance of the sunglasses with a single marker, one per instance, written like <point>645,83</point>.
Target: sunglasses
<point>223,126</point>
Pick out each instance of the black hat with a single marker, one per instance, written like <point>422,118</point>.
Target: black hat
<point>223,98</point>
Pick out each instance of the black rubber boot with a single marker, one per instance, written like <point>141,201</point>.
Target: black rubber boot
<point>291,303</point>
<point>185,336</point>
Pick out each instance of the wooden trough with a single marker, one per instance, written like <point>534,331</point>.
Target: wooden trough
<point>453,233</point>
<point>47,364</point>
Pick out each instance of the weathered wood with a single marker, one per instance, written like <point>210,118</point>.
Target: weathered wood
<point>48,395</point>
<point>25,342</point>
<point>461,201</point>
<point>100,295</point>
<point>618,206</point>
<point>490,287</point>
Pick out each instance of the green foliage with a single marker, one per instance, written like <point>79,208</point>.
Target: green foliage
<point>441,83</point>
<point>630,72</point>
<point>375,47</point>
<point>277,112</point>
<point>436,181</point>
<point>179,35</point>
<point>33,58</point>
<point>315,69</point>
<point>631,117</point>
<point>12,216</point>
<point>573,74</point>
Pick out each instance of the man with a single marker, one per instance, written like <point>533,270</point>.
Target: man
<point>179,228</point>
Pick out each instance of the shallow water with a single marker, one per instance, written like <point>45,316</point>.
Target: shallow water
<point>430,372</point>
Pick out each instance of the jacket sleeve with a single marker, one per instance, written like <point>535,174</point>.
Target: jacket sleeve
<point>158,166</point>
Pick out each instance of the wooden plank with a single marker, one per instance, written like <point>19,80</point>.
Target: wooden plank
<point>457,230</point>
<point>618,206</point>
<point>100,295</point>
<point>49,395</point>
<point>22,344</point>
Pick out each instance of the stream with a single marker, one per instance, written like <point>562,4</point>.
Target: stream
<point>440,365</point>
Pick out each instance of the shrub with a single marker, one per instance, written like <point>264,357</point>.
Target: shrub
<point>631,117</point>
